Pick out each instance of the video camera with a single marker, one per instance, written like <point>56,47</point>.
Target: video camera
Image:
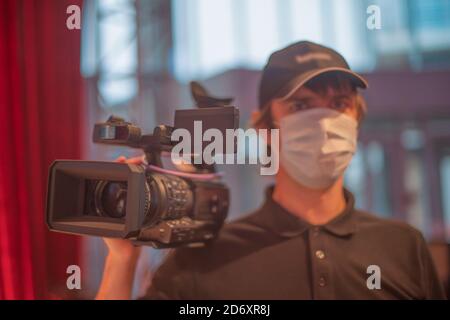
<point>144,203</point>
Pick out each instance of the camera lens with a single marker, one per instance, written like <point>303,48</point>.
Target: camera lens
<point>112,199</point>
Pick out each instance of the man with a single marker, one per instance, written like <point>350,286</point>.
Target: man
<point>307,241</point>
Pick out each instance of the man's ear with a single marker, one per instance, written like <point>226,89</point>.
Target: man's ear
<point>259,120</point>
<point>256,119</point>
<point>259,123</point>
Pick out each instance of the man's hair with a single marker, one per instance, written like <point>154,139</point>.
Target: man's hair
<point>339,82</point>
<point>320,84</point>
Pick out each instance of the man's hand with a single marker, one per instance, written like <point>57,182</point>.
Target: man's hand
<point>121,261</point>
<point>120,248</point>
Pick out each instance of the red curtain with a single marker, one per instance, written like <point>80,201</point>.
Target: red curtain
<point>40,120</point>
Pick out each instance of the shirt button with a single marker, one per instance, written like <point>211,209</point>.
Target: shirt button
<point>322,282</point>
<point>320,254</point>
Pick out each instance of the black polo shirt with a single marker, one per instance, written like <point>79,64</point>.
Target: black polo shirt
<point>272,254</point>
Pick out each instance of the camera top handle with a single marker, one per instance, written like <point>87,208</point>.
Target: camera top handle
<point>116,131</point>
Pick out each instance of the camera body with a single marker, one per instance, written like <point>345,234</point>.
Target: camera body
<point>144,203</point>
<point>154,209</point>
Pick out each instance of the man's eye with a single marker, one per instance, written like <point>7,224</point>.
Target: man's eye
<point>341,104</point>
<point>298,106</point>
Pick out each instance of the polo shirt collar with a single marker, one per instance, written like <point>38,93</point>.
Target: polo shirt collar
<point>284,223</point>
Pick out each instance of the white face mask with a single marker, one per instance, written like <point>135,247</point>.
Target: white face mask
<point>317,145</point>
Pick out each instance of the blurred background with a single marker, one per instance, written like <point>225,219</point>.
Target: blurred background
<point>135,58</point>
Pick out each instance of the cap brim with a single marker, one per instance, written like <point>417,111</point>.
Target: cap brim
<point>299,81</point>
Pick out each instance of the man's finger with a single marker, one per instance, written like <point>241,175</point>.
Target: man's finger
<point>121,159</point>
<point>135,160</point>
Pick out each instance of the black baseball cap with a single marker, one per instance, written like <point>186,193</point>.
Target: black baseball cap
<point>291,67</point>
